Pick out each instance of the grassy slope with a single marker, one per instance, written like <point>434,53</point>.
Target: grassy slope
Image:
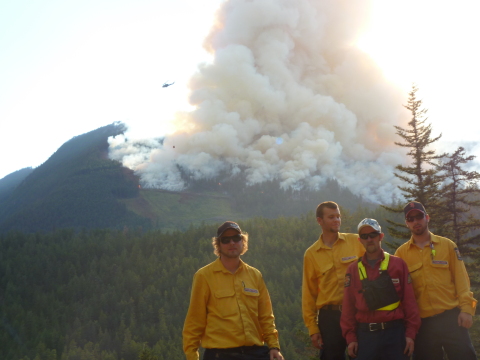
<point>173,211</point>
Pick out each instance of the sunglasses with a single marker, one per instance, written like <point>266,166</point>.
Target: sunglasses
<point>415,217</point>
<point>371,235</point>
<point>227,239</point>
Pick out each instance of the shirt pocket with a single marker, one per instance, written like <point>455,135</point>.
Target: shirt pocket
<point>251,300</point>
<point>226,302</point>
<point>441,272</point>
<point>326,277</point>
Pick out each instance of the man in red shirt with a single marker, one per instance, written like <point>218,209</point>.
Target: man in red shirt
<point>380,316</point>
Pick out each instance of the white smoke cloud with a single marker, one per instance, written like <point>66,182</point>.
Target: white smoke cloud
<point>288,96</point>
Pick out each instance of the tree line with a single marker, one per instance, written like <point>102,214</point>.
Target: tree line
<point>123,294</point>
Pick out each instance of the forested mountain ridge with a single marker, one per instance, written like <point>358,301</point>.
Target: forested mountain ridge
<point>77,187</point>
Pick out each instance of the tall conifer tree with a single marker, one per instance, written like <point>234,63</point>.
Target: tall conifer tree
<point>460,194</point>
<point>421,178</point>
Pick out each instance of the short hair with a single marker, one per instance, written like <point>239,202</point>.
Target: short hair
<point>323,205</point>
<point>216,244</point>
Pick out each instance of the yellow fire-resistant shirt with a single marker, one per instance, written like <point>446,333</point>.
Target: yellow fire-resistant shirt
<point>324,271</point>
<point>440,280</point>
<point>228,310</point>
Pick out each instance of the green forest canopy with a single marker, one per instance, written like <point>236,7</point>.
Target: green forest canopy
<point>108,294</point>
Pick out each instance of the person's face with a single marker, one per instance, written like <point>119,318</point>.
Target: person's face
<point>417,222</point>
<point>371,245</point>
<point>331,220</point>
<point>231,249</point>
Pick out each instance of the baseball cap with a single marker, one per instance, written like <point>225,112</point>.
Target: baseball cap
<point>228,225</point>
<point>370,222</point>
<point>414,205</point>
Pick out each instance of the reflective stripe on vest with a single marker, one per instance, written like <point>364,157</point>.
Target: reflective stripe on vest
<point>383,267</point>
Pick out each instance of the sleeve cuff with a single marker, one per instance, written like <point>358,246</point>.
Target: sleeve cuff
<point>192,355</point>
<point>273,344</point>
<point>313,330</point>
<point>351,337</point>
<point>469,308</point>
<point>410,333</point>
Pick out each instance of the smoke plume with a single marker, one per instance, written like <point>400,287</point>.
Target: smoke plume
<point>288,96</point>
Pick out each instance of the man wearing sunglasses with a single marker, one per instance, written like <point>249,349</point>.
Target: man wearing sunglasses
<point>380,316</point>
<point>230,312</point>
<point>324,267</point>
<point>442,290</point>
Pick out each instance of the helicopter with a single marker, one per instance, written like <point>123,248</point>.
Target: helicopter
<point>167,84</point>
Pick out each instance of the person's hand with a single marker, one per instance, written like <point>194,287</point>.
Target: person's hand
<point>316,340</point>
<point>465,320</point>
<point>352,349</point>
<point>275,354</point>
<point>409,347</point>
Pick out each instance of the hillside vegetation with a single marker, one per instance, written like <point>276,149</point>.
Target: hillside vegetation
<point>108,294</point>
<point>217,200</point>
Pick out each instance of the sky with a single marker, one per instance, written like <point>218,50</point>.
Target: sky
<point>69,67</point>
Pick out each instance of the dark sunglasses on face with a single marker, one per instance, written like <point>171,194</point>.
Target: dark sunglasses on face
<point>227,239</point>
<point>415,217</point>
<point>371,235</point>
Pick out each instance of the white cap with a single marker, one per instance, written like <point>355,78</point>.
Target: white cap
<point>370,222</point>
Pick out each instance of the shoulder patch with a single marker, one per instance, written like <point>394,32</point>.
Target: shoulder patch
<point>459,257</point>
<point>348,279</point>
<point>409,279</point>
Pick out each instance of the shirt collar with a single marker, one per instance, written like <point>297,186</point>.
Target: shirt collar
<point>433,238</point>
<point>218,266</point>
<point>321,244</point>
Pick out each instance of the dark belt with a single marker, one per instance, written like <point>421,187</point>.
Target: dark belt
<point>379,326</point>
<point>332,307</point>
<point>240,349</point>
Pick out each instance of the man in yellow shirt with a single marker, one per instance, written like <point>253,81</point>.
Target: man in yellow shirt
<point>442,290</point>
<point>324,267</point>
<point>230,312</point>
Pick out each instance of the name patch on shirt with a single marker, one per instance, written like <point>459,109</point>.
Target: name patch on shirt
<point>459,257</point>
<point>440,262</point>
<point>348,258</point>
<point>348,279</point>
<point>255,291</point>
<point>396,281</point>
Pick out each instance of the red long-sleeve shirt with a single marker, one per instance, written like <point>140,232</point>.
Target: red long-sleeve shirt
<point>355,309</point>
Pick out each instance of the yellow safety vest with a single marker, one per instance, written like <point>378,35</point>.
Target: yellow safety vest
<point>383,267</point>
